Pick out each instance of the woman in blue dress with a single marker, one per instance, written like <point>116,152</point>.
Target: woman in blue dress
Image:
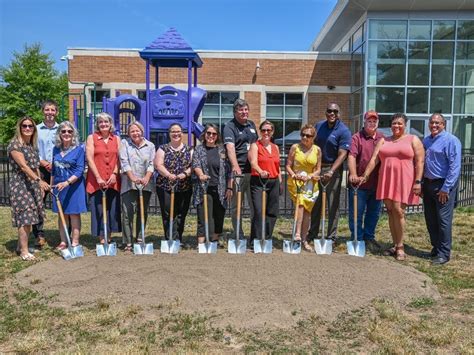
<point>67,177</point>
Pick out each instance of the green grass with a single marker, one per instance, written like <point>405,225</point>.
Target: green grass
<point>29,324</point>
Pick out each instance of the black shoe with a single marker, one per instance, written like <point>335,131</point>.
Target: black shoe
<point>433,253</point>
<point>373,246</point>
<point>439,261</point>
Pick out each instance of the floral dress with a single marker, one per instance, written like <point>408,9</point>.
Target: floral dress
<point>176,162</point>
<point>25,195</point>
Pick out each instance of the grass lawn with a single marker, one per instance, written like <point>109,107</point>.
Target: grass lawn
<point>425,325</point>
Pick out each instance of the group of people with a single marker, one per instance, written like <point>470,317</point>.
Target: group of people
<point>395,170</point>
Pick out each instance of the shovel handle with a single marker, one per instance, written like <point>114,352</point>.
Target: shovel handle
<point>171,213</point>
<point>63,220</point>
<point>142,212</point>
<point>264,212</point>
<point>239,206</point>
<point>323,211</point>
<point>355,215</point>
<point>104,215</point>
<point>206,218</point>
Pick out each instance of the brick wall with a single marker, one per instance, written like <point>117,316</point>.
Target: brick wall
<point>317,104</point>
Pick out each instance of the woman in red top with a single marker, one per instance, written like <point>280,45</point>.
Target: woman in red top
<point>264,157</point>
<point>102,150</point>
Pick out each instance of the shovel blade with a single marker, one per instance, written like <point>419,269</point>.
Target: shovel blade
<point>323,246</point>
<point>266,248</point>
<point>356,248</point>
<point>66,254</point>
<point>102,250</point>
<point>170,246</point>
<point>143,249</point>
<point>207,248</point>
<point>77,251</point>
<point>235,247</point>
<point>290,247</point>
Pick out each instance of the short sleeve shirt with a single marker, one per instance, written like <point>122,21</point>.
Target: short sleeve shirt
<point>330,140</point>
<point>242,136</point>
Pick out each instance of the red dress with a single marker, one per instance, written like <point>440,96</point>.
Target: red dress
<point>397,171</point>
<point>268,161</point>
<point>106,160</point>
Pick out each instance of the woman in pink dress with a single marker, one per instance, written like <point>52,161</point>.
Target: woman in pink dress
<point>401,158</point>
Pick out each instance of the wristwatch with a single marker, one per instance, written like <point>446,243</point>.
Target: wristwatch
<point>38,179</point>
<point>417,182</point>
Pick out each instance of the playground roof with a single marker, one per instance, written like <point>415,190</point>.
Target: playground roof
<point>171,50</point>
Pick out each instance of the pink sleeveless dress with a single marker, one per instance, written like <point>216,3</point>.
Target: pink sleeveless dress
<point>397,171</point>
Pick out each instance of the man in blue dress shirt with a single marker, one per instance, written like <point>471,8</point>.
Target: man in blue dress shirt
<point>46,136</point>
<point>440,180</point>
<point>334,139</point>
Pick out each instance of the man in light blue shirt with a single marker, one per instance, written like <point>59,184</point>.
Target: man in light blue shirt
<point>46,136</point>
<point>440,181</point>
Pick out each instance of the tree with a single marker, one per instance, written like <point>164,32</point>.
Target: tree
<point>29,80</point>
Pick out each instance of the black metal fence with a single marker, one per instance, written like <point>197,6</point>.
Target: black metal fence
<point>465,195</point>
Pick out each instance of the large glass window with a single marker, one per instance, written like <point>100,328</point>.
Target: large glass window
<point>464,100</point>
<point>466,29</point>
<point>388,29</point>
<point>386,99</point>
<point>465,64</point>
<point>440,100</point>
<point>358,37</point>
<point>443,30</point>
<point>99,96</point>
<point>463,126</point>
<point>419,63</point>
<point>387,63</point>
<point>442,66</point>
<point>218,108</point>
<point>285,111</point>
<point>417,100</point>
<point>420,30</point>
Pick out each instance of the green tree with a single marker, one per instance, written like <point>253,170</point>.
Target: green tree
<point>29,80</point>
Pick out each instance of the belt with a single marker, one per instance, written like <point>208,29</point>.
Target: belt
<point>432,180</point>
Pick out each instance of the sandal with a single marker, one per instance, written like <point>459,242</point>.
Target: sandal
<point>297,238</point>
<point>128,248</point>
<point>307,246</point>
<point>400,253</point>
<point>28,257</point>
<point>61,246</point>
<point>390,252</point>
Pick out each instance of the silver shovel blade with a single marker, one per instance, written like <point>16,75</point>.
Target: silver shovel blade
<point>290,247</point>
<point>143,249</point>
<point>323,246</point>
<point>66,254</point>
<point>77,251</point>
<point>170,246</point>
<point>356,248</point>
<point>207,248</point>
<point>235,247</point>
<point>110,250</point>
<point>266,248</point>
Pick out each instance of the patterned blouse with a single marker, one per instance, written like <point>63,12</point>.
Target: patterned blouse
<point>176,162</point>
<point>200,161</point>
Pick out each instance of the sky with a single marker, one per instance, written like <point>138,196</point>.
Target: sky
<point>273,25</point>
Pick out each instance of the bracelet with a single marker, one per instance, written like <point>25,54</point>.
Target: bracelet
<point>230,188</point>
<point>331,172</point>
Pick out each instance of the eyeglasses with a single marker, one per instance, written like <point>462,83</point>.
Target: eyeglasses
<point>70,131</point>
<point>176,132</point>
<point>329,111</point>
<point>304,135</point>
<point>266,130</point>
<point>211,134</point>
<point>25,126</point>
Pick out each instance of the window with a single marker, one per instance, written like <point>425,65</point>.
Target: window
<point>285,111</point>
<point>466,29</point>
<point>388,29</point>
<point>141,94</point>
<point>218,108</point>
<point>465,63</point>
<point>387,63</point>
<point>99,96</point>
<point>386,99</point>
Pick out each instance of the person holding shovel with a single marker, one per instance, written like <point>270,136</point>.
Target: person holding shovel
<point>264,157</point>
<point>136,159</point>
<point>368,206</point>
<point>25,184</point>
<point>68,180</point>
<point>303,167</point>
<point>173,162</point>
<point>102,150</point>
<point>212,171</point>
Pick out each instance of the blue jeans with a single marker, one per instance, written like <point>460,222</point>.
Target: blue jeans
<point>368,205</point>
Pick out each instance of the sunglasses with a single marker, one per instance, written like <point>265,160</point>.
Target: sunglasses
<point>176,132</point>
<point>25,126</point>
<point>70,131</point>
<point>266,130</point>
<point>329,111</point>
<point>211,134</point>
<point>304,135</point>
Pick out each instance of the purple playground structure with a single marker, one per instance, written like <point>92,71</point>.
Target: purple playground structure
<point>167,104</point>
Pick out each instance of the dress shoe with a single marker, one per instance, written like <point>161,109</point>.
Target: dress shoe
<point>439,261</point>
<point>373,246</point>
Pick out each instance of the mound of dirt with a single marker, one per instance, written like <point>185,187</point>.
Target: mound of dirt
<point>242,290</point>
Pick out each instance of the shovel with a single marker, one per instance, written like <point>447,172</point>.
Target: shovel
<point>263,246</point>
<point>293,246</point>
<point>72,251</point>
<point>355,247</point>
<point>323,245</point>
<point>142,248</point>
<point>105,249</point>
<point>208,247</point>
<point>237,245</point>
<point>171,246</point>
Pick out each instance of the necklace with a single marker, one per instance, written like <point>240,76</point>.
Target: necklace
<point>67,150</point>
